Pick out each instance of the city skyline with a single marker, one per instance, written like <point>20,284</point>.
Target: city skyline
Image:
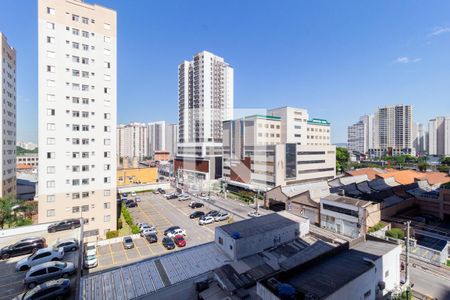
<point>407,70</point>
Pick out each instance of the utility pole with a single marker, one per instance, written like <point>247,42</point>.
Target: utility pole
<point>408,223</point>
<point>257,202</point>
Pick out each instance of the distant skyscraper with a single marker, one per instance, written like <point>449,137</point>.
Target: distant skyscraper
<point>360,135</point>
<point>8,104</point>
<point>77,114</point>
<point>439,136</point>
<point>205,99</point>
<point>132,140</point>
<point>163,136</point>
<point>393,129</point>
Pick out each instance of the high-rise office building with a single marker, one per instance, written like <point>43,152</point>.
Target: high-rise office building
<point>439,136</point>
<point>132,140</point>
<point>205,99</point>
<point>8,125</point>
<point>77,114</point>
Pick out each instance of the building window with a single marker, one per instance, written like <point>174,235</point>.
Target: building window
<point>85,208</point>
<point>107,26</point>
<point>386,274</point>
<point>220,240</point>
<point>50,141</point>
<point>50,212</point>
<point>50,83</point>
<point>107,180</point>
<point>50,25</point>
<point>50,198</point>
<point>76,196</point>
<point>51,184</point>
<point>367,294</point>
<point>51,170</point>
<point>107,218</point>
<point>107,193</point>
<point>75,209</point>
<point>107,205</point>
<point>50,155</point>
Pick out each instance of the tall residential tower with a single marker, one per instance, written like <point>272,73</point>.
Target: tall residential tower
<point>77,114</point>
<point>8,125</point>
<point>205,100</point>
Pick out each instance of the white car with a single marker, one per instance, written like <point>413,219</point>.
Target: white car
<point>175,232</point>
<point>254,214</point>
<point>184,197</point>
<point>39,257</point>
<point>90,256</point>
<point>222,217</point>
<point>148,227</point>
<point>148,230</point>
<point>204,198</point>
<point>206,220</point>
<point>133,194</point>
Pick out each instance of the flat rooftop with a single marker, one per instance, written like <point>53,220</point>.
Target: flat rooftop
<point>261,225</point>
<point>347,200</point>
<point>329,273</point>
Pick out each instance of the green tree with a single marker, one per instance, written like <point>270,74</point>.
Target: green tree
<point>445,160</point>
<point>7,214</point>
<point>423,166</point>
<point>342,159</point>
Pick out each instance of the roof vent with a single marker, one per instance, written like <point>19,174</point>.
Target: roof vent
<point>235,235</point>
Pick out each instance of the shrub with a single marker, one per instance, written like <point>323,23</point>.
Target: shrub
<point>119,224</point>
<point>395,233</point>
<point>112,234</point>
<point>376,227</point>
<point>134,229</point>
<point>127,216</point>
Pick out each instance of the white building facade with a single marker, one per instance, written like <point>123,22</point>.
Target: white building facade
<point>439,136</point>
<point>8,125</point>
<point>132,140</point>
<point>163,136</point>
<point>77,114</point>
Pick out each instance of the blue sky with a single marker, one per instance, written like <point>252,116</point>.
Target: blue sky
<point>338,59</point>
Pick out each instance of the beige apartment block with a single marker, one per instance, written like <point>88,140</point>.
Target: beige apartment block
<point>8,124</point>
<point>77,114</point>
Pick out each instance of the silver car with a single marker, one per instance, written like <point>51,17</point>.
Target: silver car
<point>68,245</point>
<point>128,242</point>
<point>46,271</point>
<point>41,256</point>
<point>221,217</point>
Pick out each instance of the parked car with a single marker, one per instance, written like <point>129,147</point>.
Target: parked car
<point>90,256</point>
<point>176,232</point>
<point>128,242</point>
<point>148,230</point>
<point>64,225</point>
<point>171,196</point>
<point>206,220</point>
<point>25,246</point>
<point>140,225</point>
<point>68,245</point>
<point>196,214</point>
<point>168,243</point>
<point>179,240</point>
<point>184,197</point>
<point>137,199</point>
<point>133,194</point>
<point>151,238</point>
<point>40,256</point>
<point>161,191</point>
<point>222,217</point>
<point>46,271</point>
<point>204,198</point>
<point>155,192</point>
<point>131,204</point>
<point>254,214</point>
<point>52,289</point>
<point>212,213</point>
<point>124,195</point>
<point>172,228</point>
<point>194,204</point>
<point>146,226</point>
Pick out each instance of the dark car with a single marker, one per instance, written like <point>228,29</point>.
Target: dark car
<point>52,289</point>
<point>168,243</point>
<point>131,203</point>
<point>64,225</point>
<point>25,246</point>
<point>196,205</point>
<point>151,238</point>
<point>68,245</point>
<point>172,196</point>
<point>171,229</point>
<point>212,213</point>
<point>196,214</point>
<point>161,191</point>
<point>124,195</point>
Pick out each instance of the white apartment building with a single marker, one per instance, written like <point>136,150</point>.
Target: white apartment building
<point>132,140</point>
<point>393,129</point>
<point>439,136</point>
<point>360,136</point>
<point>162,136</point>
<point>205,99</point>
<point>77,114</point>
<point>419,139</point>
<point>8,125</point>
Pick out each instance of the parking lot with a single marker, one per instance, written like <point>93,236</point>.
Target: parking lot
<point>156,210</point>
<point>11,282</point>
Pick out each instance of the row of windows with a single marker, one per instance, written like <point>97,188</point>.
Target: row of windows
<point>77,18</point>
<point>52,198</point>
<point>77,182</point>
<point>52,155</point>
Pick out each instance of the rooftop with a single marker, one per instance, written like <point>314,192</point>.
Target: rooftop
<point>370,172</point>
<point>262,224</point>
<point>411,176</point>
<point>316,121</point>
<point>347,200</point>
